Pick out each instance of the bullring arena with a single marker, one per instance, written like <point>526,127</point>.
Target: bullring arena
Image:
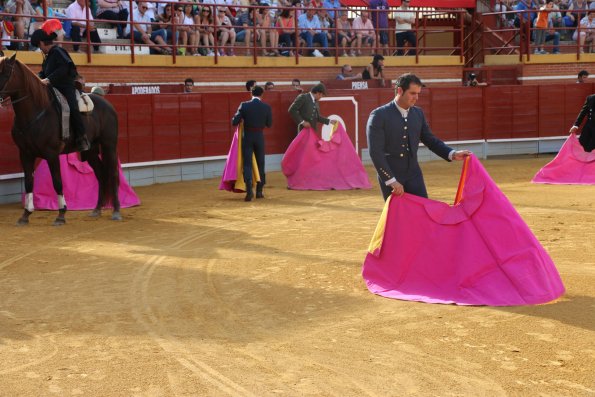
<point>198,293</point>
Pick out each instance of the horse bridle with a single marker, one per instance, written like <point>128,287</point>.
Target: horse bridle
<point>5,94</point>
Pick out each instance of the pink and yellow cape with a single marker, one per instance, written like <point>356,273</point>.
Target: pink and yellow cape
<point>478,251</point>
<point>232,179</point>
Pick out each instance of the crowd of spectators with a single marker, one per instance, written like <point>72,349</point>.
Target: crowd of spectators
<point>550,20</point>
<point>201,28</point>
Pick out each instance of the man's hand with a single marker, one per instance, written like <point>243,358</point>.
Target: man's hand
<point>305,124</point>
<point>461,154</point>
<point>45,81</point>
<point>398,189</point>
<point>334,122</point>
<point>574,129</point>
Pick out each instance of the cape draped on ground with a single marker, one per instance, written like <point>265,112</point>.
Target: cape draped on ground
<point>311,163</point>
<point>477,252</point>
<point>571,166</point>
<point>234,166</point>
<point>80,187</point>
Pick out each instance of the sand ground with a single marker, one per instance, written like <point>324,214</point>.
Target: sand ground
<point>197,293</point>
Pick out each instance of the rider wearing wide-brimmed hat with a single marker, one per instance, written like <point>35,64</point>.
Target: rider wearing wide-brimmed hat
<point>59,70</point>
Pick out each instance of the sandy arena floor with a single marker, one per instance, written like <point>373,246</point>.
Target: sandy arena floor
<point>197,293</point>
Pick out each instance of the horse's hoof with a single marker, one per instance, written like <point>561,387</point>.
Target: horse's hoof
<point>59,222</point>
<point>116,216</point>
<point>22,222</point>
<point>95,214</point>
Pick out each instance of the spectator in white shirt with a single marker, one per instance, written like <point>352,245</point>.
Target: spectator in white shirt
<point>77,11</point>
<point>143,32</point>
<point>404,19</point>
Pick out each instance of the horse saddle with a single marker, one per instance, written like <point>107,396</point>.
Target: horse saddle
<point>85,105</point>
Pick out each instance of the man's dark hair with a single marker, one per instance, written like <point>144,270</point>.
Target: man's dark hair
<point>250,84</point>
<point>188,80</point>
<point>583,73</point>
<point>257,91</point>
<point>296,81</point>
<point>404,81</point>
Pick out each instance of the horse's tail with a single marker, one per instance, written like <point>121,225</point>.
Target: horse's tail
<point>111,178</point>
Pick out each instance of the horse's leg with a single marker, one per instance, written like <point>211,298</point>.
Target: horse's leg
<point>54,165</point>
<point>92,158</point>
<point>112,179</point>
<point>28,164</point>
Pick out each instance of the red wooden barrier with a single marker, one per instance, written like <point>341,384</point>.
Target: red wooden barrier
<point>176,126</point>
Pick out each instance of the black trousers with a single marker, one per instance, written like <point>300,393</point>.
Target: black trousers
<point>407,172</point>
<point>253,143</point>
<point>75,35</point>
<point>403,37</point>
<point>76,120</point>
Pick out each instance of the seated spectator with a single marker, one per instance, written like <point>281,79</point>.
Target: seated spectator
<point>347,74</point>
<point>113,10</point>
<point>226,32</point>
<point>375,70</point>
<point>188,36</point>
<point>346,37</point>
<point>310,32</point>
<point>6,32</point>
<point>188,85</point>
<point>404,20</point>
<point>267,22</point>
<point>296,85</point>
<point>245,28</point>
<point>20,23</point>
<point>332,5</point>
<point>587,32</point>
<point>165,20</point>
<point>143,31</point>
<point>364,32</point>
<point>577,10</point>
<point>286,28</point>
<point>77,11</point>
<point>205,22</point>
<point>327,26</point>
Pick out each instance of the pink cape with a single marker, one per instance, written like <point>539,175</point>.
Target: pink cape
<point>80,186</point>
<point>572,166</point>
<point>311,163</point>
<point>234,166</point>
<point>476,252</point>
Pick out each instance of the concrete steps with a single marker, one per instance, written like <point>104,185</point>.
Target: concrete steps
<point>114,46</point>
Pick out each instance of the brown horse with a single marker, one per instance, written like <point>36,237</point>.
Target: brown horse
<point>37,133</point>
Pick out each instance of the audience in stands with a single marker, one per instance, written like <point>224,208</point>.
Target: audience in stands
<point>379,10</point>
<point>365,35</point>
<point>6,32</point>
<point>404,20</point>
<point>78,11</point>
<point>226,33</point>
<point>286,28</point>
<point>310,32</point>
<point>204,23</point>
<point>143,31</point>
<point>20,23</point>
<point>346,37</point>
<point>587,32</point>
<point>113,10</point>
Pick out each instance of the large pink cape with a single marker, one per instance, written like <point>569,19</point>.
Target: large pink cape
<point>234,166</point>
<point>311,163</point>
<point>80,187</point>
<point>572,166</point>
<point>476,252</point>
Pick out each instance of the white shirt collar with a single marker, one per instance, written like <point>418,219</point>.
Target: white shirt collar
<point>312,96</point>
<point>255,97</point>
<point>404,112</point>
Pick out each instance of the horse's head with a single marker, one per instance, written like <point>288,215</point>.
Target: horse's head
<point>7,66</point>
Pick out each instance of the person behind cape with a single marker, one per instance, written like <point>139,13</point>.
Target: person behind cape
<point>305,110</point>
<point>257,116</point>
<point>59,70</point>
<point>394,132</point>
<point>587,138</point>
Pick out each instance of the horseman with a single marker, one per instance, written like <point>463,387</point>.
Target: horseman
<point>59,70</point>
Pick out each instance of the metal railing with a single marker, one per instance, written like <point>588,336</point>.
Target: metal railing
<point>422,28</point>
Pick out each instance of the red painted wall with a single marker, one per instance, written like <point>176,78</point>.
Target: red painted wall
<point>174,126</point>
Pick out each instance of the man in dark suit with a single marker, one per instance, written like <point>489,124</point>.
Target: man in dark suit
<point>587,138</point>
<point>305,110</point>
<point>256,116</point>
<point>394,132</point>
